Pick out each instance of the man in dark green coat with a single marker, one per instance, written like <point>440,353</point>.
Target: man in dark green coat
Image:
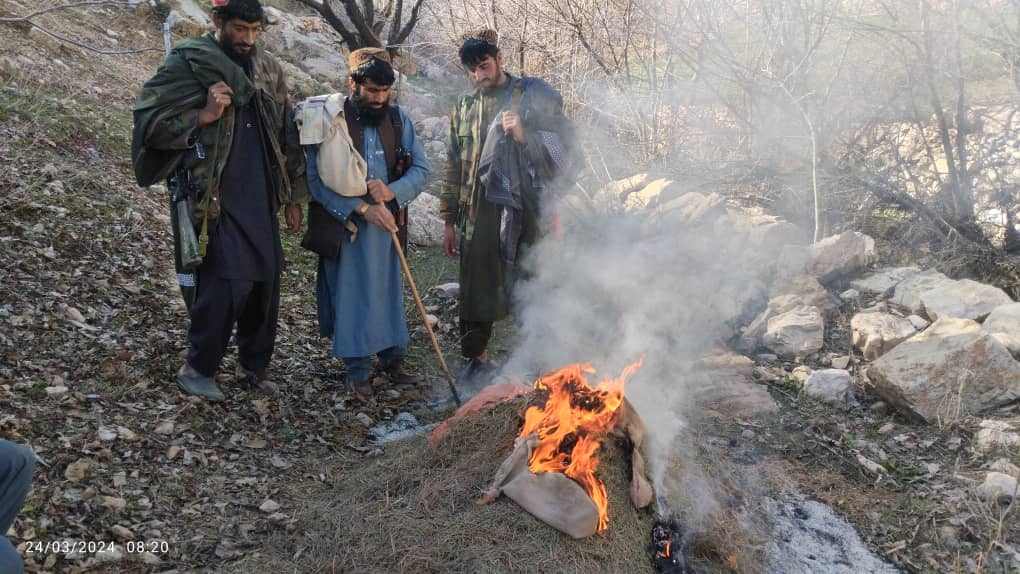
<point>510,145</point>
<point>215,121</point>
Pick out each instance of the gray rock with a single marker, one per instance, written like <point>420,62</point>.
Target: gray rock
<point>850,295</point>
<point>829,385</point>
<point>364,419</point>
<point>652,193</point>
<point>840,255</point>
<point>883,281</point>
<point>803,290</point>
<point>919,323</point>
<point>692,209</point>
<point>998,487</point>
<point>964,299</point>
<point>1004,324</point>
<point>952,369</point>
<point>907,293</point>
<point>875,334</point>
<point>425,225</point>
<point>448,290</point>
<point>840,362</point>
<point>795,333</point>
<point>995,434</point>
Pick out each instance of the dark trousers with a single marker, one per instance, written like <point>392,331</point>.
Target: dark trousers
<point>16,465</point>
<point>220,304</point>
<point>474,337</point>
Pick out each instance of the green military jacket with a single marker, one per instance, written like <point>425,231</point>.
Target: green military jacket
<point>469,120</point>
<point>166,132</point>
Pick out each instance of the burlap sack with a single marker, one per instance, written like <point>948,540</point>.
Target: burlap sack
<point>551,497</point>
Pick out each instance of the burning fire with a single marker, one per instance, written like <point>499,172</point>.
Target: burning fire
<point>571,424</point>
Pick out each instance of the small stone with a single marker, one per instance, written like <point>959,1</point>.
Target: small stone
<point>447,290</point>
<point>998,487</point>
<point>110,554</point>
<point>126,434</point>
<point>996,434</point>
<point>113,503</point>
<point>150,559</point>
<point>120,479</point>
<point>165,428</point>
<point>392,394</point>
<point>364,419</point>
<point>56,391</point>
<point>801,374</point>
<point>840,362</point>
<point>887,428</point>
<point>122,533</point>
<point>850,295</point>
<point>870,465</point>
<point>748,434</point>
<point>765,374</point>
<point>1005,467</point>
<point>880,408</point>
<point>829,385</point>
<point>269,506</point>
<point>78,470</point>
<point>919,323</point>
<point>432,321</point>
<point>107,434</point>
<point>173,451</point>
<point>768,358</point>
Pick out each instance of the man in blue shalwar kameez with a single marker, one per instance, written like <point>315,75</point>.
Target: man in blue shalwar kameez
<point>360,292</point>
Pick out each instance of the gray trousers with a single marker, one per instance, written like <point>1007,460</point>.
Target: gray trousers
<point>16,465</point>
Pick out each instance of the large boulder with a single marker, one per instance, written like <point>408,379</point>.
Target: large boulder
<point>1004,324</point>
<point>306,43</point>
<point>804,290</point>
<point>693,209</point>
<point>840,255</point>
<point>883,281</point>
<point>795,333</point>
<point>651,194</point>
<point>952,369</point>
<point>907,293</point>
<point>435,128</point>
<point>621,188</point>
<point>425,225</point>
<point>964,299</point>
<point>996,434</point>
<point>875,334</point>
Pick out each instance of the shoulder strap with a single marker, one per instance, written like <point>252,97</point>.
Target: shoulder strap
<point>354,127</point>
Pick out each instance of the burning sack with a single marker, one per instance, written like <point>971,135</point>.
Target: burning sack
<point>551,471</point>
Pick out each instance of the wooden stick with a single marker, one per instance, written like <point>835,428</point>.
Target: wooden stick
<point>424,317</point>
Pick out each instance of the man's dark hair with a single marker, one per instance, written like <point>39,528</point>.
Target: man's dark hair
<point>247,10</point>
<point>474,50</point>
<point>376,70</point>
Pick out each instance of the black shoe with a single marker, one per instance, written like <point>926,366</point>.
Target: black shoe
<point>397,376</point>
<point>476,370</point>
<point>256,381</point>
<point>194,383</point>
<point>362,390</point>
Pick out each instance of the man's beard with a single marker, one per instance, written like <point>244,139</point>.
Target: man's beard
<point>370,116</point>
<point>229,49</point>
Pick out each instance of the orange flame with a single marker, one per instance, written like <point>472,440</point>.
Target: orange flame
<point>571,424</point>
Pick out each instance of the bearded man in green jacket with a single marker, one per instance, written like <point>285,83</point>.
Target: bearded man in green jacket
<point>215,122</point>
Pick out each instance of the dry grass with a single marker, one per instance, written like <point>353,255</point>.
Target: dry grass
<point>415,510</point>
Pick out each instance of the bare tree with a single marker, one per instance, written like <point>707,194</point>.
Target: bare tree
<point>363,25</point>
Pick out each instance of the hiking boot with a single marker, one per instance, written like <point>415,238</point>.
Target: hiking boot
<point>476,370</point>
<point>396,375</point>
<point>362,390</point>
<point>257,381</point>
<point>194,383</point>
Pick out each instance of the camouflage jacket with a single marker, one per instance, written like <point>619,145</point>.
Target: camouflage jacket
<point>469,121</point>
<point>166,132</point>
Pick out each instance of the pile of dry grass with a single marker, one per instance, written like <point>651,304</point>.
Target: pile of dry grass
<point>415,510</point>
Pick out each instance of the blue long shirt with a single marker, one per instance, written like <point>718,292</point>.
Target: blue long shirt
<point>360,293</point>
